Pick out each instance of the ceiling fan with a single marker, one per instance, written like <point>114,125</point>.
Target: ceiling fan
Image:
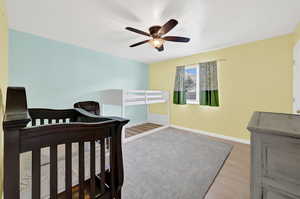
<point>157,32</point>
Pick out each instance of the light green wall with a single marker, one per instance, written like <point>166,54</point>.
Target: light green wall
<point>57,74</point>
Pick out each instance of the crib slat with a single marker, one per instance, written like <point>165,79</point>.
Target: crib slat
<point>33,122</point>
<point>36,174</point>
<point>112,167</point>
<point>92,170</point>
<point>81,170</point>
<point>68,169</point>
<point>53,171</point>
<point>102,163</point>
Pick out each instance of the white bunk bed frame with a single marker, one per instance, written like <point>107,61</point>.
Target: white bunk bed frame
<point>123,98</point>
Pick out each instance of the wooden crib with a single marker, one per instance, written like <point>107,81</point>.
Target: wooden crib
<point>33,129</point>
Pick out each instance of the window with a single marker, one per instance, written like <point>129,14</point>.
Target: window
<point>197,84</point>
<point>191,84</point>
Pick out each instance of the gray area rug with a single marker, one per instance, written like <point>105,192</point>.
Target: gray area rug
<point>172,164</point>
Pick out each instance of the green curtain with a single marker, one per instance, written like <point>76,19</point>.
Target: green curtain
<point>179,95</point>
<point>209,93</point>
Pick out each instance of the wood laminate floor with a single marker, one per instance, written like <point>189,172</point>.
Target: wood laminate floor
<point>138,129</point>
<point>233,181</point>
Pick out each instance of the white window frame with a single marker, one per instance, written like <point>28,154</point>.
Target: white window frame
<point>197,101</point>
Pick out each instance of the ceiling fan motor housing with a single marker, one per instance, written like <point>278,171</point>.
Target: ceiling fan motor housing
<point>154,31</point>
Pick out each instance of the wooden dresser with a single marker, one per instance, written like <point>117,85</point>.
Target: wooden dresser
<point>275,153</point>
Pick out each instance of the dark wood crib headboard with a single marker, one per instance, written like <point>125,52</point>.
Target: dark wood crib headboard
<point>33,129</point>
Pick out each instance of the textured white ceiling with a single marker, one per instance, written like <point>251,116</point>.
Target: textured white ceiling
<point>99,24</point>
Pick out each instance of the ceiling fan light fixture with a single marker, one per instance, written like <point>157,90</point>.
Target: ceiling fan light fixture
<point>156,42</point>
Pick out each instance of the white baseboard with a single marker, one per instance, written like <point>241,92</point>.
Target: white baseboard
<point>243,141</point>
<point>158,118</point>
<point>144,134</point>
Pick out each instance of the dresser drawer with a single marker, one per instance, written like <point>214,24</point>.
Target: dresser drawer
<point>281,163</point>
<point>269,193</point>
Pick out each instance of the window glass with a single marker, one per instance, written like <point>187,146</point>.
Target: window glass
<point>192,84</point>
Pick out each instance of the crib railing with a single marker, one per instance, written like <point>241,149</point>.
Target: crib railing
<point>31,130</point>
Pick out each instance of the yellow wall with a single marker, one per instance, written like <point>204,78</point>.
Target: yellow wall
<point>255,77</point>
<point>3,78</point>
<point>297,33</point>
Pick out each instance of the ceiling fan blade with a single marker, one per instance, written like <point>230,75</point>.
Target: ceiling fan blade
<point>139,43</point>
<point>138,31</point>
<point>176,39</point>
<point>161,48</point>
<point>167,27</point>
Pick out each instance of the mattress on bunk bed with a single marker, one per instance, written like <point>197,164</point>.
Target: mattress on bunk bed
<point>26,175</point>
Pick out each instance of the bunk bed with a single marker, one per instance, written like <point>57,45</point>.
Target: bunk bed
<point>123,98</point>
<point>32,130</point>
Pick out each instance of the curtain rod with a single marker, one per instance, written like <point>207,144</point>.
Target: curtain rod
<point>218,60</point>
